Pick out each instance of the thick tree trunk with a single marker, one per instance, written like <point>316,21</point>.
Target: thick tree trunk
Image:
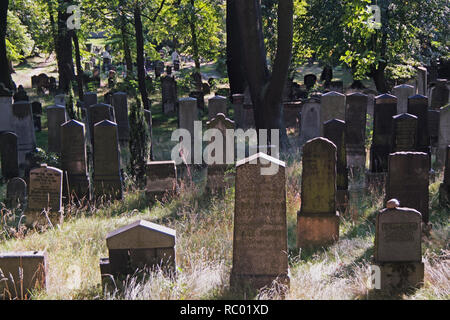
<point>5,74</point>
<point>78,64</point>
<point>379,78</point>
<point>64,49</point>
<point>234,50</point>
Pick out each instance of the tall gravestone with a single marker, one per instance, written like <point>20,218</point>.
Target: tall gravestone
<point>291,110</point>
<point>6,102</point>
<point>238,106</point>
<point>16,193</point>
<point>76,184</point>
<point>385,109</point>
<point>9,155</point>
<point>334,130</point>
<point>310,123</point>
<point>120,104</point>
<point>332,106</point>
<point>89,99</point>
<point>407,180</point>
<point>24,128</point>
<point>44,196</point>
<point>402,92</point>
<point>36,108</point>
<point>433,127</point>
<point>421,81</point>
<point>418,106</point>
<point>404,136</point>
<point>398,248</point>
<point>187,115</point>
<point>217,163</point>
<point>216,105</point>
<point>98,113</point>
<point>444,135</point>
<point>260,226</point>
<point>444,190</point>
<point>169,94</point>
<point>56,116</point>
<point>107,177</point>
<point>355,129</point>
<point>318,220</point>
<point>439,95</point>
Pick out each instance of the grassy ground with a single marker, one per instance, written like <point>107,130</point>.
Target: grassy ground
<point>204,225</point>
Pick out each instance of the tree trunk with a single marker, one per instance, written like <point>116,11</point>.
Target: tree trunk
<point>5,74</point>
<point>78,64</point>
<point>64,49</point>
<point>125,43</point>
<point>234,50</point>
<point>377,74</point>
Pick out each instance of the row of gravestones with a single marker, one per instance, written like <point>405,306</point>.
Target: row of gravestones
<point>260,225</point>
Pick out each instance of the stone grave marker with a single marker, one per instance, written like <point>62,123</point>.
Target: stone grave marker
<point>187,114</point>
<point>60,100</point>
<point>439,95</point>
<point>120,104</point>
<point>107,177</point>
<point>418,106</point>
<point>200,99</point>
<point>421,81</point>
<point>16,193</point>
<point>404,136</point>
<point>238,106</point>
<point>444,135</point>
<point>332,106</point>
<point>24,128</point>
<point>56,116</point>
<point>433,127</point>
<point>444,189</point>
<point>402,92</point>
<point>161,179</point>
<point>310,125</point>
<point>291,110</point>
<point>6,120</point>
<point>44,197</point>
<point>217,104</point>
<point>355,129</point>
<point>318,220</point>
<point>408,180</point>
<point>28,270</point>
<point>36,108</point>
<point>9,155</point>
<point>169,94</point>
<point>98,113</point>
<point>309,80</point>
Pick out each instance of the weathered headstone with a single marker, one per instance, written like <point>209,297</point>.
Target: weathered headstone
<point>217,104</point>
<point>28,271</point>
<point>334,130</point>
<point>418,106</point>
<point>290,113</point>
<point>44,196</point>
<point>444,190</point>
<point>404,136</point>
<point>169,94</point>
<point>238,106</point>
<point>140,246</point>
<point>407,180</point>
<point>318,220</point>
<point>159,68</point>
<point>433,127</point>
<point>56,116</point>
<point>60,100</point>
<point>310,125</point>
<point>24,128</point>
<point>187,115</point>
<point>260,227</point>
<point>332,106</point>
<point>36,108</point>
<point>73,161</point>
<point>6,120</point>
<point>355,129</point>
<point>385,109</point>
<point>398,248</point>
<point>421,81</point>
<point>444,135</point>
<point>402,92</point>
<point>309,80</point>
<point>16,193</point>
<point>9,155</point>
<point>89,99</point>
<point>161,179</point>
<point>98,113</point>
<point>439,96</point>
<point>107,177</point>
<point>120,104</point>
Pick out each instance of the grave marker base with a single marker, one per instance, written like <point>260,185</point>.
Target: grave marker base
<point>317,230</point>
<point>400,276</point>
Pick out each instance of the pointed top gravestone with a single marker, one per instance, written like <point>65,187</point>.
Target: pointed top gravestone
<point>332,106</point>
<point>404,133</point>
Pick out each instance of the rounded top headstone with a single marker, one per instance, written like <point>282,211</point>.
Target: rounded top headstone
<point>392,204</point>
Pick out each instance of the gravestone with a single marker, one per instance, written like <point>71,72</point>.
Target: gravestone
<point>187,115</point>
<point>24,128</point>
<point>418,106</point>
<point>76,184</point>
<point>89,99</point>
<point>407,180</point>
<point>402,92</point>
<point>260,226</point>
<point>161,179</point>
<point>98,113</point>
<point>6,120</point>
<point>28,270</point>
<point>444,135</point>
<point>310,81</point>
<point>385,109</point>
<point>120,104</point>
<point>398,248</point>
<point>16,193</point>
<point>169,94</point>
<point>444,189</point>
<point>238,106</point>
<point>217,180</point>
<point>334,130</point>
<point>439,95</point>
<point>290,113</point>
<point>332,106</point>
<point>44,197</point>
<point>433,127</point>
<point>9,155</point>
<point>404,136</point>
<point>159,68</point>
<point>421,81</point>
<point>216,105</point>
<point>140,246</point>
<point>310,125</point>
<point>107,177</point>
<point>355,129</point>
<point>60,100</point>
<point>200,97</point>
<point>56,116</point>
<point>36,108</point>
<point>318,220</point>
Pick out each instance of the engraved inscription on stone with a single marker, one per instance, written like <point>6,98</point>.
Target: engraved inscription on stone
<point>399,232</point>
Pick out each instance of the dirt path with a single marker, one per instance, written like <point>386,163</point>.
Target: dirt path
<point>35,66</point>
